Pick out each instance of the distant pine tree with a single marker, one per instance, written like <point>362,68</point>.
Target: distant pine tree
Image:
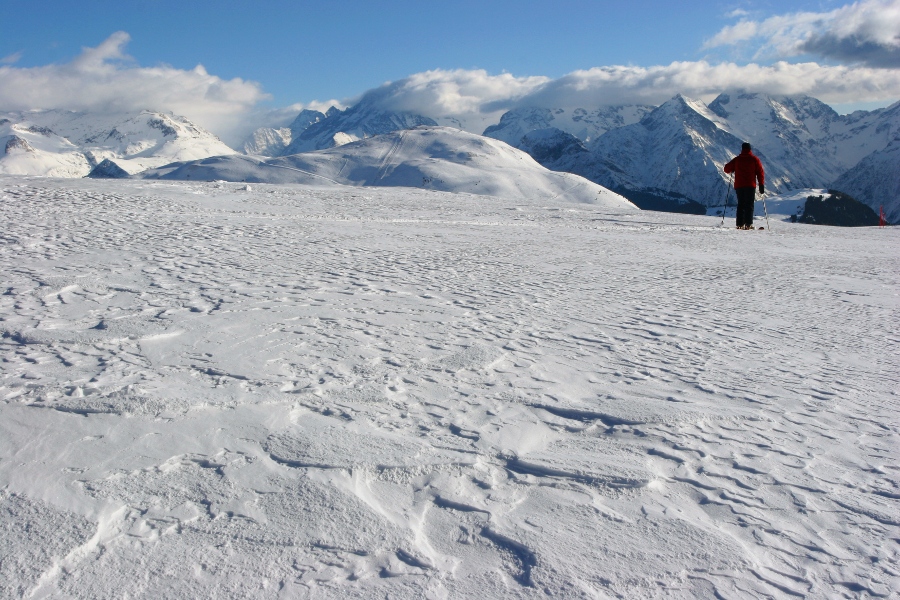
<point>839,210</point>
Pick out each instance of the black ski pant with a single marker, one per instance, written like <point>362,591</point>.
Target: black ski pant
<point>746,196</point>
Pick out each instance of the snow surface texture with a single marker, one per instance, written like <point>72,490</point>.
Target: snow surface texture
<point>215,391</point>
<point>433,158</point>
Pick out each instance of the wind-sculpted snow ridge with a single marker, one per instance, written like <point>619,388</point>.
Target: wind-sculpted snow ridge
<point>288,391</point>
<point>431,158</point>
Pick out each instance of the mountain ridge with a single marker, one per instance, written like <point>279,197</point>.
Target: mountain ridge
<point>676,151</point>
<point>426,157</point>
<point>70,144</point>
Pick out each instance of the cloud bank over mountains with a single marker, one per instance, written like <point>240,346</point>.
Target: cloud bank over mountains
<point>106,79</point>
<point>866,33</point>
<point>861,38</point>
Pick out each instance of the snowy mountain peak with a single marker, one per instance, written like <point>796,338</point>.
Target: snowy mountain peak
<point>70,144</point>
<point>516,123</point>
<point>361,121</point>
<point>267,141</point>
<point>272,141</point>
<point>755,115</point>
<point>682,116</point>
<point>304,119</point>
<point>585,124</point>
<point>682,107</point>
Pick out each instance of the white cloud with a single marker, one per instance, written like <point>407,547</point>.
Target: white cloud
<point>12,59</point>
<point>456,92</point>
<point>866,32</point>
<point>614,85</point>
<point>468,94</point>
<point>104,78</point>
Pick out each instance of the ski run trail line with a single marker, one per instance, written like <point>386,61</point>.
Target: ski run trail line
<point>300,392</point>
<point>387,165</point>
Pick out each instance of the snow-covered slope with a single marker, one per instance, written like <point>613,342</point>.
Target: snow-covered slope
<point>859,134</point>
<point>875,181</point>
<point>554,148</point>
<point>434,158</point>
<point>271,141</point>
<point>805,135</point>
<point>268,141</point>
<point>325,394</point>
<point>679,147</point>
<point>30,149</point>
<point>81,141</point>
<point>358,122</point>
<point>791,131</point>
<point>584,124</point>
<point>675,152</point>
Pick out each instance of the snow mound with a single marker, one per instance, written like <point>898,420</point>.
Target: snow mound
<point>433,158</point>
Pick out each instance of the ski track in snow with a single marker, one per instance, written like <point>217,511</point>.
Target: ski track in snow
<point>209,391</point>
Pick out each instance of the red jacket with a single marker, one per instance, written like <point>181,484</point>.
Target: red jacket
<point>747,170</point>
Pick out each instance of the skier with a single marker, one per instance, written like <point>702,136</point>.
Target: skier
<point>747,171</point>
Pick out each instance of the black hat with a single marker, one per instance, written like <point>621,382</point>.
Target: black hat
<point>745,146</point>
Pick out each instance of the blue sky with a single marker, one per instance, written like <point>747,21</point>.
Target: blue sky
<point>301,52</point>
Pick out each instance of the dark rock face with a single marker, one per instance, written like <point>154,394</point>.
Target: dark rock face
<point>108,170</point>
<point>17,143</point>
<point>839,210</point>
<point>45,131</point>
<point>167,130</point>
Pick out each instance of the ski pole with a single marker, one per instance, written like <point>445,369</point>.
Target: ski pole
<point>766,209</point>
<point>727,196</point>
